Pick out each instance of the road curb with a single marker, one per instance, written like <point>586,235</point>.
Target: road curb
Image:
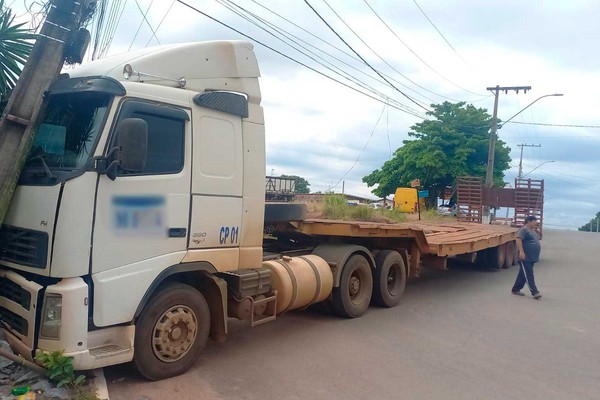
<point>99,382</point>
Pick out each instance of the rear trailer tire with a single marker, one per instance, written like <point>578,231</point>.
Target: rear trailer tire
<point>351,299</point>
<point>497,256</point>
<point>510,254</point>
<point>171,331</point>
<point>389,278</point>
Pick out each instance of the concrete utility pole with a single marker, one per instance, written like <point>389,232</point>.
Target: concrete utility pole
<point>521,158</point>
<point>489,176</point>
<point>43,66</point>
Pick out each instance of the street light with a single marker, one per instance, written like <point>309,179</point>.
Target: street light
<point>489,177</point>
<point>523,176</point>
<point>530,104</point>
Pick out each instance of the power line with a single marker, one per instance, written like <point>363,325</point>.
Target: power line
<point>377,54</point>
<point>363,60</point>
<point>558,125</point>
<point>161,21</point>
<point>294,60</point>
<point>338,70</point>
<point>141,23</point>
<point>338,49</point>
<point>441,34</point>
<point>416,55</point>
<point>363,149</point>
<point>146,19</point>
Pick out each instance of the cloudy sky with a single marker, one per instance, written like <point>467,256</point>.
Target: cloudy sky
<point>432,51</point>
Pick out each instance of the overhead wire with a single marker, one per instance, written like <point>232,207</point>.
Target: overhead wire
<point>146,19</point>
<point>293,59</point>
<point>416,55</point>
<point>337,71</point>
<point>141,23</point>
<point>441,34</point>
<point>161,21</point>
<point>331,45</point>
<point>378,56</point>
<point>363,60</point>
<point>114,19</point>
<point>557,125</point>
<point>362,151</point>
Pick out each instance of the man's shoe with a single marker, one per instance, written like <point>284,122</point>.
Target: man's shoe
<point>518,293</point>
<point>537,295</point>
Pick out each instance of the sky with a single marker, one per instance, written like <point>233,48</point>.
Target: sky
<point>430,51</point>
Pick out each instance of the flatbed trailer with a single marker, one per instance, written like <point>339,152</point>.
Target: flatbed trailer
<point>426,243</point>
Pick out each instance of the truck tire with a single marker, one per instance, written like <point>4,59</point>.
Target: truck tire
<point>496,256</point>
<point>510,254</point>
<point>389,278</point>
<point>171,331</point>
<point>351,299</point>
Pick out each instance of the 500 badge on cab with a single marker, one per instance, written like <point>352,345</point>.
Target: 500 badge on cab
<point>229,235</point>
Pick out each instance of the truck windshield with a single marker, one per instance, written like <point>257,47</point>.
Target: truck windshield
<point>66,133</point>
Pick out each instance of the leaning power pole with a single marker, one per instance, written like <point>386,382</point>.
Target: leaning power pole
<point>521,158</point>
<point>58,40</point>
<point>489,176</point>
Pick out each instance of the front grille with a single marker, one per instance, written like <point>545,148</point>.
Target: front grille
<point>14,292</point>
<point>14,321</point>
<point>23,246</point>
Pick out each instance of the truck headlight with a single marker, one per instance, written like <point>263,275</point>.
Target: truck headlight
<point>51,316</point>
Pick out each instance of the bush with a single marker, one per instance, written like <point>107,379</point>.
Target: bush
<point>361,213</point>
<point>335,206</point>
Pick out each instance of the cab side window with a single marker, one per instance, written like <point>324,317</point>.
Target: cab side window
<point>166,136</point>
<point>165,144</point>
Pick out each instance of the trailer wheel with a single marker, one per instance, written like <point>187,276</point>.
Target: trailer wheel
<point>510,254</point>
<point>497,256</point>
<point>389,278</point>
<point>171,332</point>
<point>351,299</point>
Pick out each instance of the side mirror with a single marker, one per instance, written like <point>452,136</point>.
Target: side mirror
<point>132,139</point>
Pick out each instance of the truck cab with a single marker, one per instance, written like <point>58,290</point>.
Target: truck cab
<point>128,183</point>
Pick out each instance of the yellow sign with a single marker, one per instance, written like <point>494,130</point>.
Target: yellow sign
<point>415,183</point>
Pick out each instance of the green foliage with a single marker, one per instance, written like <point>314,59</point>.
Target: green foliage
<point>60,368</point>
<point>15,46</point>
<point>335,206</point>
<point>592,226</point>
<point>361,213</point>
<point>453,143</point>
<point>302,185</point>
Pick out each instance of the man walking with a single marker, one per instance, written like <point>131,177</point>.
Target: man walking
<point>529,248</point>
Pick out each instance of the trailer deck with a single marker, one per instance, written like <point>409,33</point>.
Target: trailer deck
<point>429,241</point>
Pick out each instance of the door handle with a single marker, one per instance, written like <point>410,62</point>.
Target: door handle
<point>177,232</point>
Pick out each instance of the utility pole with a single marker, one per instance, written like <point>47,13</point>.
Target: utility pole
<point>489,176</point>
<point>58,39</point>
<point>521,158</point>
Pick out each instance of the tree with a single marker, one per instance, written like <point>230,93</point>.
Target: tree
<point>453,143</point>
<point>302,185</point>
<point>15,46</point>
<point>592,226</point>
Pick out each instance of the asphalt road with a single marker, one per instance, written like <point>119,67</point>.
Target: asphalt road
<point>458,334</point>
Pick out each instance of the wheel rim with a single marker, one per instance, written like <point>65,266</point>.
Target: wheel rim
<point>393,279</point>
<point>355,286</point>
<point>174,333</point>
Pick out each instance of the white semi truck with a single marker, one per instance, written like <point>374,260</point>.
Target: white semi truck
<point>136,229</point>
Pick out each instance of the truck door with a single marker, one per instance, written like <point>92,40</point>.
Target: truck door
<point>142,217</point>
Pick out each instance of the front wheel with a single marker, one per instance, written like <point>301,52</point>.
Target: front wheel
<point>351,299</point>
<point>171,332</point>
